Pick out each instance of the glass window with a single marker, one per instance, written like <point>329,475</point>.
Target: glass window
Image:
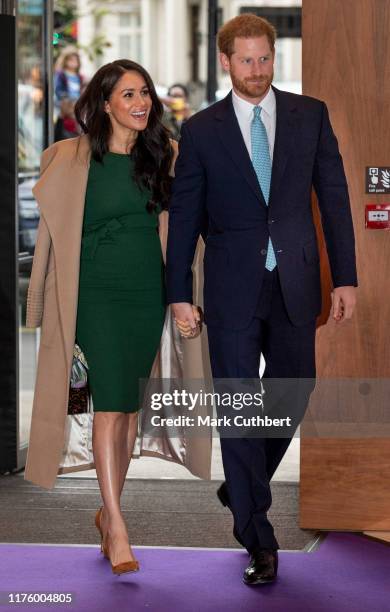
<point>129,36</point>
<point>130,20</point>
<point>125,46</point>
<point>31,136</point>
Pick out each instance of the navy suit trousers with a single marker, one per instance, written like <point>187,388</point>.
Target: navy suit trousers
<point>289,352</point>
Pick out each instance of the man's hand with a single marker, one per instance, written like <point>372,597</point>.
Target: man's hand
<point>187,318</point>
<point>343,302</point>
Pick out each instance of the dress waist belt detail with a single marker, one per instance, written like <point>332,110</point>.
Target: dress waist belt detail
<point>102,230</point>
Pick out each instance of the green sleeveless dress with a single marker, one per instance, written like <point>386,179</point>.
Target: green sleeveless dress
<point>121,300</point>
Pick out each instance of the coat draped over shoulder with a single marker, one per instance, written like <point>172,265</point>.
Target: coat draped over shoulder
<point>60,442</point>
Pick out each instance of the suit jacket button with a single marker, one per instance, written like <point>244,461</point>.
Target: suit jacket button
<point>263,251</point>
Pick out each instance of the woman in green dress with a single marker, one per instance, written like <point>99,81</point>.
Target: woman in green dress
<point>121,301</point>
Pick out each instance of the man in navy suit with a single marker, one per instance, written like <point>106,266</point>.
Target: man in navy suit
<point>247,165</point>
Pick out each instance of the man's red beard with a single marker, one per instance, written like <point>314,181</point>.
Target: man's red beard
<point>252,89</point>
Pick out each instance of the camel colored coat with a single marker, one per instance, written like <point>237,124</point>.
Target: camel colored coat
<point>60,442</point>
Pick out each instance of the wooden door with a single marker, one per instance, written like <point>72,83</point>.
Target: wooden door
<point>345,442</point>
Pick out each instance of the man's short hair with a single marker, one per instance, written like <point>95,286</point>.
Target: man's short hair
<point>247,25</point>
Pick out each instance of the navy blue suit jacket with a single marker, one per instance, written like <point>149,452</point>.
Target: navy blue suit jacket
<point>215,181</point>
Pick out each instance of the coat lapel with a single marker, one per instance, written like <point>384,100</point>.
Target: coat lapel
<point>230,135</point>
<point>60,194</point>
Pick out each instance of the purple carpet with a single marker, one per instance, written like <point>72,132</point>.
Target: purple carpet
<point>347,572</point>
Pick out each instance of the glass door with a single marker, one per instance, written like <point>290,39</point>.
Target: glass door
<point>34,92</point>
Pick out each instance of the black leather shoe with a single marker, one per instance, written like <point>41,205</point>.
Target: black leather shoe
<point>223,497</point>
<point>263,567</point>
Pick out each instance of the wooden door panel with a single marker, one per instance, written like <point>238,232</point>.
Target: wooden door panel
<point>346,63</point>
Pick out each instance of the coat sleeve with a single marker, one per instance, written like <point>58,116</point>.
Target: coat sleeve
<point>331,187</point>
<point>36,288</point>
<point>163,233</point>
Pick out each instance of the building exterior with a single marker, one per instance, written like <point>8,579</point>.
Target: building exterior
<point>169,38</point>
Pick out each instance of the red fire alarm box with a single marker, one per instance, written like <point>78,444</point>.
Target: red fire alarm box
<point>378,216</point>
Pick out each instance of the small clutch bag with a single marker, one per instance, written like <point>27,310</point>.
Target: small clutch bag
<point>79,394</point>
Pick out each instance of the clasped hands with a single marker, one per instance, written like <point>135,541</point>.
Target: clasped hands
<point>188,319</point>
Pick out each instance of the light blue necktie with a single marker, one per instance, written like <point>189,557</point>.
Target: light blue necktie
<point>261,161</point>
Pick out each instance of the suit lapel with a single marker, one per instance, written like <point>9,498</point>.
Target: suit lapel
<point>230,135</point>
<point>286,116</point>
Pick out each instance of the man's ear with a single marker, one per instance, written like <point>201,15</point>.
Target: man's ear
<point>225,62</point>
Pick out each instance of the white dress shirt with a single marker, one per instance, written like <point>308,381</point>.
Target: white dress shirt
<point>244,114</point>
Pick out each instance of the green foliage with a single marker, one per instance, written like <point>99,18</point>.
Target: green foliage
<point>66,16</point>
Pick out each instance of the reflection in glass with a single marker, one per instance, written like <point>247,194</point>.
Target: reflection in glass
<point>30,146</point>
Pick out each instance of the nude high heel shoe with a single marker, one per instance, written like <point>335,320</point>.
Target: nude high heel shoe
<point>124,567</point>
<point>120,568</point>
